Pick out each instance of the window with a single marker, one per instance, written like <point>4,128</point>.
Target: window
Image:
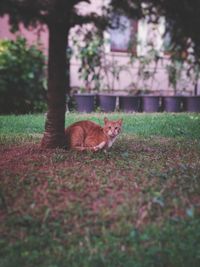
<point>123,38</point>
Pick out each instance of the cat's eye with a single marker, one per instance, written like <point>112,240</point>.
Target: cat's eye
<point>116,128</point>
<point>109,127</point>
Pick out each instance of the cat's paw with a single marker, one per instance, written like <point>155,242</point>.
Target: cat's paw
<point>99,146</point>
<point>96,148</point>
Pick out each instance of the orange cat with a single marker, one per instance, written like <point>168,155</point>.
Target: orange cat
<point>87,135</point>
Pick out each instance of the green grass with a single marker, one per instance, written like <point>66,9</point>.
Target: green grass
<point>167,125</point>
<point>136,206</point>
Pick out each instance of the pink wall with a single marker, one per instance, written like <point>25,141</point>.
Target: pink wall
<point>39,34</point>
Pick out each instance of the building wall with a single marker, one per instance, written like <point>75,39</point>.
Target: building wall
<point>128,81</point>
<point>38,35</point>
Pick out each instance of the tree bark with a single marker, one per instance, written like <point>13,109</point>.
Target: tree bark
<point>54,135</point>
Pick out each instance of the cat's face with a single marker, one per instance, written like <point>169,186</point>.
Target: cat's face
<point>112,128</point>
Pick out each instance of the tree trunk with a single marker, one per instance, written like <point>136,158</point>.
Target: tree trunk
<point>57,85</point>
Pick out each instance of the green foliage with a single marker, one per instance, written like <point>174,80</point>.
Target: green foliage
<point>22,72</point>
<point>89,51</point>
<point>97,70</point>
<point>174,73</point>
<point>147,68</point>
<point>181,23</point>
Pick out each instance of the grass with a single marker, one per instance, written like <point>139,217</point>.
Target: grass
<point>138,205</point>
<point>164,124</point>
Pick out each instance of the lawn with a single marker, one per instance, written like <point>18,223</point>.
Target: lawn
<point>136,206</point>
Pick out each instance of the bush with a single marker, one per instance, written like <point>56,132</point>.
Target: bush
<point>22,77</point>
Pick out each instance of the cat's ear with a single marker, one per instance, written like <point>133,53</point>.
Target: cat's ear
<point>105,120</point>
<point>120,121</point>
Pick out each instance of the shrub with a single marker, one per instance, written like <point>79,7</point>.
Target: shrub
<point>22,77</point>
